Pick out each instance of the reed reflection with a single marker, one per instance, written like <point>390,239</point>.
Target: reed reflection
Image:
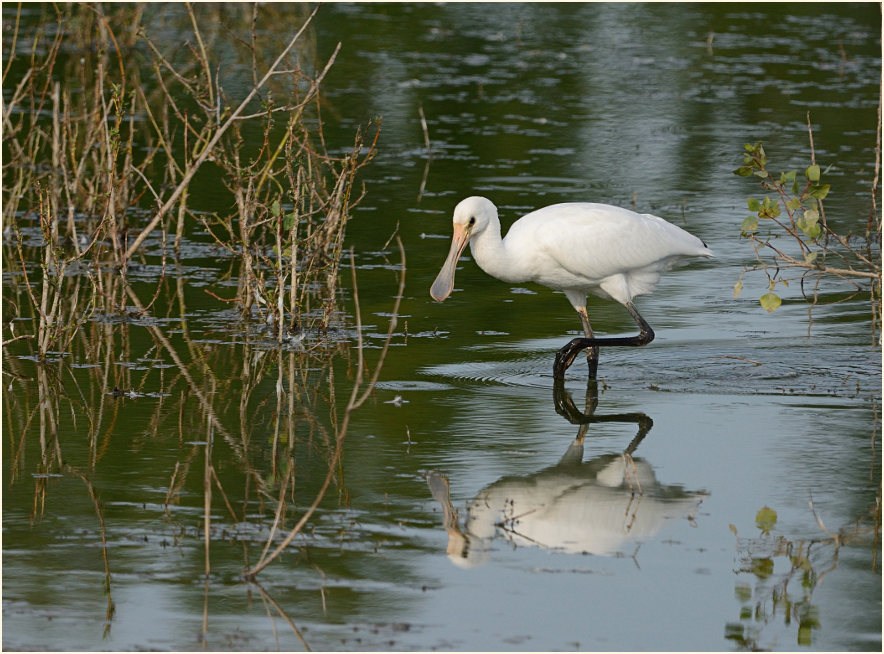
<point>600,506</point>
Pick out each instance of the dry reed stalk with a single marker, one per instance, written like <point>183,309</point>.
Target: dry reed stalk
<point>265,596</point>
<point>207,496</point>
<point>67,146</point>
<point>102,532</point>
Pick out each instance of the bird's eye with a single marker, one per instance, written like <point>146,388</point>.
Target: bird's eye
<point>472,220</point>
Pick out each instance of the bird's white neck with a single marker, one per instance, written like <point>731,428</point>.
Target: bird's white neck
<point>490,253</point>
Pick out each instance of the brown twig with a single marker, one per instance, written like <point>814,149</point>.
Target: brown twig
<point>209,148</point>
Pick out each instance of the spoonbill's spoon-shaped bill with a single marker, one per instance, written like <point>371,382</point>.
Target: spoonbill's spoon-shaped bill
<point>444,283</point>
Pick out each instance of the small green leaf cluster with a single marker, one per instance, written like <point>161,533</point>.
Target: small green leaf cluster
<point>754,161</point>
<point>801,204</point>
<point>784,573</point>
<point>792,207</point>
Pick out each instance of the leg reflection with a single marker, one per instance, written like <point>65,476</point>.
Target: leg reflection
<point>565,407</point>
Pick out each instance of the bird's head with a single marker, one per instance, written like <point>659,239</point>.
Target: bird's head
<point>471,217</point>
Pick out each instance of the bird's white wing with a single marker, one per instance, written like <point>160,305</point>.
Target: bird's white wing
<point>591,242</point>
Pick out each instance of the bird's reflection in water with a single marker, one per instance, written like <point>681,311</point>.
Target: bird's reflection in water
<point>600,506</point>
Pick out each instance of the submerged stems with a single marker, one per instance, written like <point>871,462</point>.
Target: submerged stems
<point>358,395</point>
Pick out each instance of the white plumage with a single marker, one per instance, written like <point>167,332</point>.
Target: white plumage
<point>576,247</point>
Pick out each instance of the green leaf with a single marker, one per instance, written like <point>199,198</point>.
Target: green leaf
<point>743,171</point>
<point>289,221</point>
<point>766,518</point>
<point>769,208</point>
<point>819,191</point>
<point>770,302</point>
<point>753,204</point>
<point>813,173</point>
<point>274,208</point>
<point>805,634</point>
<point>762,567</point>
<point>807,222</point>
<point>756,149</point>
<point>750,224</point>
<point>790,176</point>
<point>759,153</point>
<point>810,257</point>
<point>738,288</point>
<point>742,591</point>
<point>793,204</point>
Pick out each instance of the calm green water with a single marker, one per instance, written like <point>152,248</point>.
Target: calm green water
<point>551,547</point>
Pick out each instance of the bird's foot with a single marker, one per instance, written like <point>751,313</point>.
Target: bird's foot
<point>565,357</point>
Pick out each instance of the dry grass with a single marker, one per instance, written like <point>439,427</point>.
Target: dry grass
<point>104,163</point>
<point>98,179</point>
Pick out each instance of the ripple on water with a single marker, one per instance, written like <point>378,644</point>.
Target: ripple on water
<point>714,366</point>
<point>411,385</point>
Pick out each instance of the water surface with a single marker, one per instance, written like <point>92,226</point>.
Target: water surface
<point>548,547</point>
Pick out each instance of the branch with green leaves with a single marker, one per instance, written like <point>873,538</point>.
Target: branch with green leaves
<point>794,209</point>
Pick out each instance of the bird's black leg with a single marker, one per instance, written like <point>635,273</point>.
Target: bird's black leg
<point>592,360</point>
<point>592,353</point>
<point>565,357</point>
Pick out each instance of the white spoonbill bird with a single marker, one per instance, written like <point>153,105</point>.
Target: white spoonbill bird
<point>577,248</point>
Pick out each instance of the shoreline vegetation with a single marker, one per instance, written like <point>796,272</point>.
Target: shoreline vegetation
<point>105,169</point>
<point>794,242</point>
<point>99,205</point>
